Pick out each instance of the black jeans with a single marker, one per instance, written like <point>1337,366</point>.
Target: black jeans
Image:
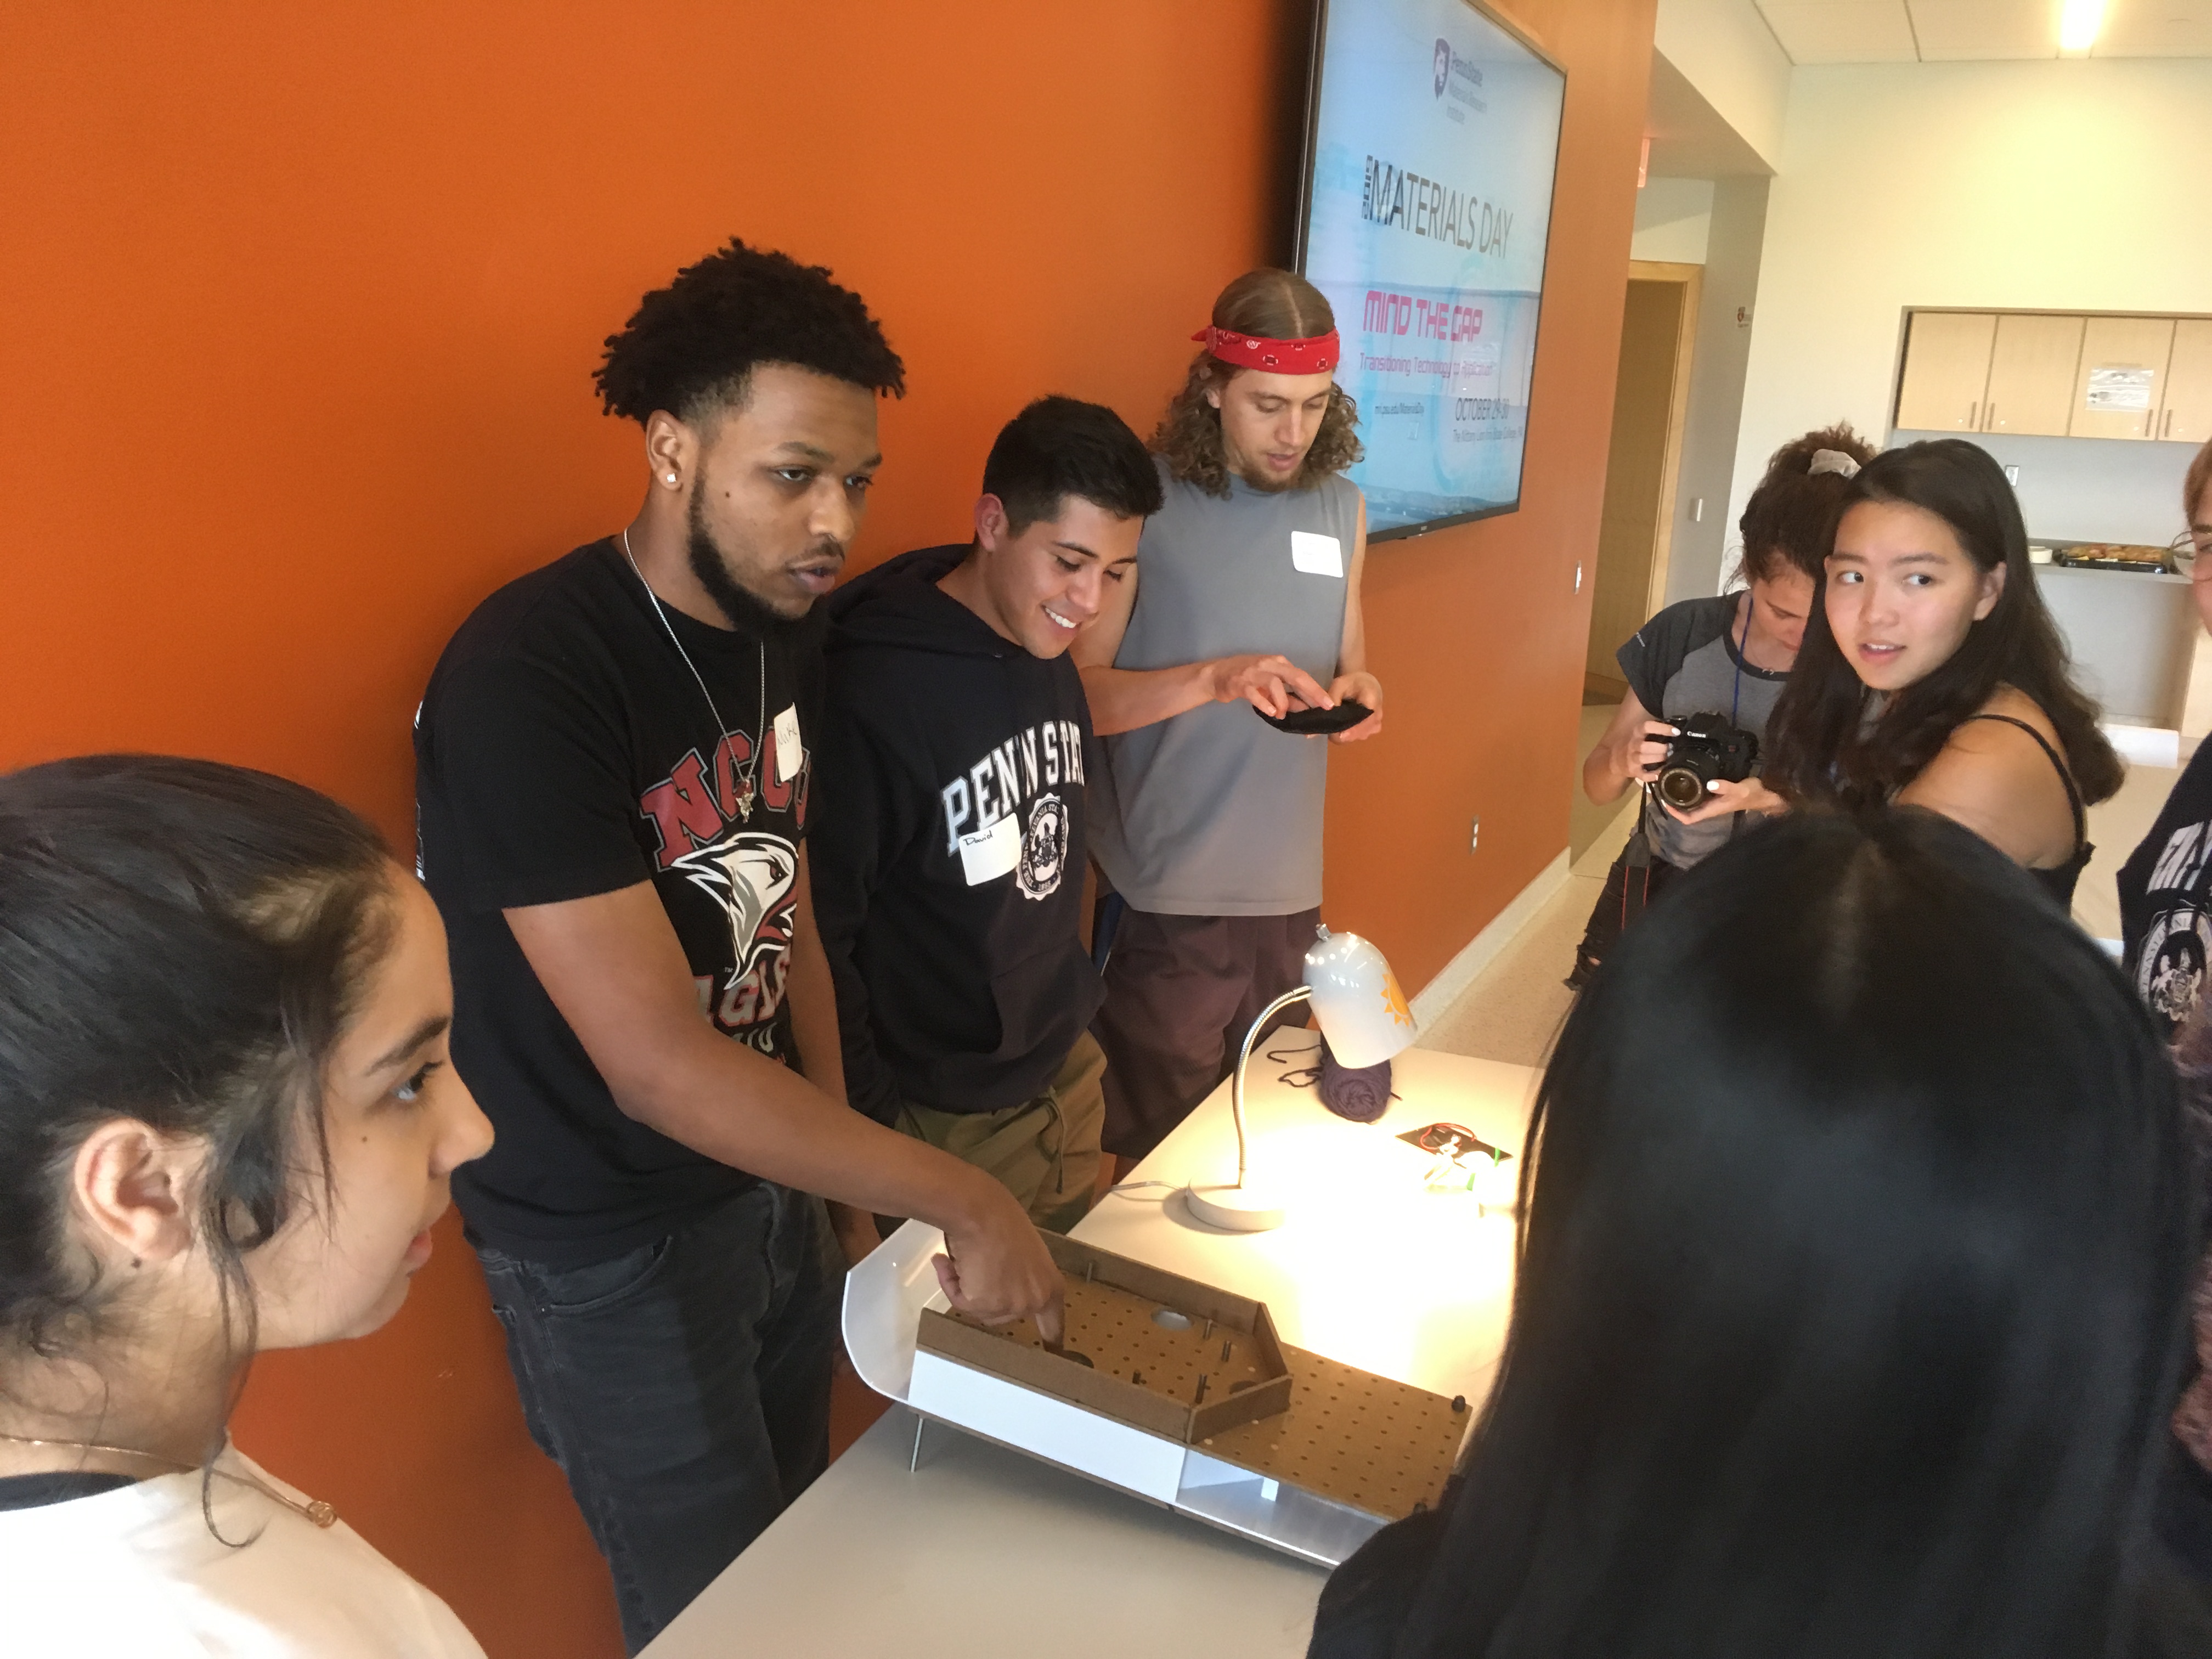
<point>683,1387</point>
<point>1631,888</point>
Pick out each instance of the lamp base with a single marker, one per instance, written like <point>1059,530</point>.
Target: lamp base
<point>1246,1209</point>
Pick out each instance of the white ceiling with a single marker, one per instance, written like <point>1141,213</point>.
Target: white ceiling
<point>1950,31</point>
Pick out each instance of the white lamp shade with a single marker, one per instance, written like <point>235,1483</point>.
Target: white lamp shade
<point>1356,998</point>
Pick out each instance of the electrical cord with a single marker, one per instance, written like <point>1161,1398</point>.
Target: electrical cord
<point>1134,1186</point>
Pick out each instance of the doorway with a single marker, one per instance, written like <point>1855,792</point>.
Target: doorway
<point>1651,396</point>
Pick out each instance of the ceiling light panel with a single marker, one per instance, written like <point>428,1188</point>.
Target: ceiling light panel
<point>1972,30</point>
<point>1841,30</point>
<point>2156,28</point>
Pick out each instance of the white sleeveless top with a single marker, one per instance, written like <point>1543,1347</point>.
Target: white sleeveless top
<point>135,1574</point>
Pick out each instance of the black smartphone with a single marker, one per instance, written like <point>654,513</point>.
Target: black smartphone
<point>1312,722</point>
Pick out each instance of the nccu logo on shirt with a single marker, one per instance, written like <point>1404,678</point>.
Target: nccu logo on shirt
<point>1443,64</point>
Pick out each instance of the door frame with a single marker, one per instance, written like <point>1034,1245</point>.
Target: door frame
<point>1691,279</point>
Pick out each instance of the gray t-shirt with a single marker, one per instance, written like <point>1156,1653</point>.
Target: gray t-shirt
<point>1684,661</point>
<point>1215,812</point>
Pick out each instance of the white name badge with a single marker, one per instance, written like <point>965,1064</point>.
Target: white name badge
<point>989,854</point>
<point>1316,556</point>
<point>789,755</point>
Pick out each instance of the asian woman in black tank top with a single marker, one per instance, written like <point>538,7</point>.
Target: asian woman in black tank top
<point>1932,674</point>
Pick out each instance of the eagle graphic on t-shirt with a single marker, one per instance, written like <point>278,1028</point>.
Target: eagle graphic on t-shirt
<point>754,877</point>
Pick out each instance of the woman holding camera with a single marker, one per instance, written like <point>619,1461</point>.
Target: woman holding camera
<point>1725,659</point>
<point>1933,675</point>
<point>1855,1338</point>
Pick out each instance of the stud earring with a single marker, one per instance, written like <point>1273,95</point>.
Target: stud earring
<point>671,478</point>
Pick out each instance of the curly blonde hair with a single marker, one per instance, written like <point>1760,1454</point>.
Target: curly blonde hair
<point>1274,304</point>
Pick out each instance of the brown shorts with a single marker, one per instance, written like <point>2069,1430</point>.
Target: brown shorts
<point>1181,992</point>
<point>1044,1152</point>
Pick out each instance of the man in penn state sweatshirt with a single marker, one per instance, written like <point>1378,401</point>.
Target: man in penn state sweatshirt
<point>948,862</point>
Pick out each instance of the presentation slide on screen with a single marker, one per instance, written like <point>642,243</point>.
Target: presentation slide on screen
<point>1436,137</point>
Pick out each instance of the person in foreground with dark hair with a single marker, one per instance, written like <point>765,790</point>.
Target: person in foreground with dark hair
<point>613,777</point>
<point>1726,658</point>
<point>1851,1297</point>
<point>1933,674</point>
<point>227,1125</point>
<point>948,871</point>
<point>2166,886</point>
<point>1206,822</point>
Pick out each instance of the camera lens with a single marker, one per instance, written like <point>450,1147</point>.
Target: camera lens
<point>1681,788</point>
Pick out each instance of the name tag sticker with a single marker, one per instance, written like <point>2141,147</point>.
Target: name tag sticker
<point>789,755</point>
<point>1316,556</point>
<point>989,854</point>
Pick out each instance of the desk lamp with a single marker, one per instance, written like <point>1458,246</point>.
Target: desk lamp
<point>1364,1020</point>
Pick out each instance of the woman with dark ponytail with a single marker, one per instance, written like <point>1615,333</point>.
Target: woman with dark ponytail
<point>227,1124</point>
<point>1933,675</point>
<point>1856,1335</point>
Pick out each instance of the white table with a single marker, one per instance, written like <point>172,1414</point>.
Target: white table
<point>984,1551</point>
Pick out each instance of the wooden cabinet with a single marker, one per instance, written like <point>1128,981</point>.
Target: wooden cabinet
<point>1946,370</point>
<point>2079,375</point>
<point>2187,416</point>
<point>2120,390</point>
<point>2031,369</point>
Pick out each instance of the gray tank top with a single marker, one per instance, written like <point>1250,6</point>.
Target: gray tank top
<point>1215,812</point>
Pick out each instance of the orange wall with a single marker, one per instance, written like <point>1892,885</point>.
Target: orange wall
<point>1478,634</point>
<point>299,306</point>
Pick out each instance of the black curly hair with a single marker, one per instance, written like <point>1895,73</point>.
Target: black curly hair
<point>689,348</point>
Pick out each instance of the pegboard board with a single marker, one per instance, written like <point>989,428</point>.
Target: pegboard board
<point>1382,1447</point>
<point>1151,1349</point>
<point>1184,1358</point>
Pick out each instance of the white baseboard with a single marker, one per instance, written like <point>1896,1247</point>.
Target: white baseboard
<point>1440,993</point>
<point>2146,745</point>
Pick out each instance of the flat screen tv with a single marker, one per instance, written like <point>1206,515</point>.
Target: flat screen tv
<point>1432,139</point>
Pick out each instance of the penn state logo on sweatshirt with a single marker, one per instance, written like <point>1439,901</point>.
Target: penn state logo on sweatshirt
<point>1005,814</point>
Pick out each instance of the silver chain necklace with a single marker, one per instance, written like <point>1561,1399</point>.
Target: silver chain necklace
<point>722,731</point>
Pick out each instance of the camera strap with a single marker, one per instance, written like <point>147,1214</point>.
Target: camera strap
<point>1735,691</point>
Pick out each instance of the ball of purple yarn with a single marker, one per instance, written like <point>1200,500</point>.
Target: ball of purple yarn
<point>1361,1094</point>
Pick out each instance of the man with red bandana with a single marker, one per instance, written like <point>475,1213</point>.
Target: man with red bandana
<point>1207,819</point>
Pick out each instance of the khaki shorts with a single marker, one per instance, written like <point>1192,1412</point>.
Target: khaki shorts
<point>1045,1151</point>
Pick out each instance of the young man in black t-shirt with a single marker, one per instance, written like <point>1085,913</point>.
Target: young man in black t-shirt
<point>614,786</point>
<point>949,877</point>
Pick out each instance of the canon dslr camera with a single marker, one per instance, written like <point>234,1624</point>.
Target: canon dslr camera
<point>1706,749</point>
